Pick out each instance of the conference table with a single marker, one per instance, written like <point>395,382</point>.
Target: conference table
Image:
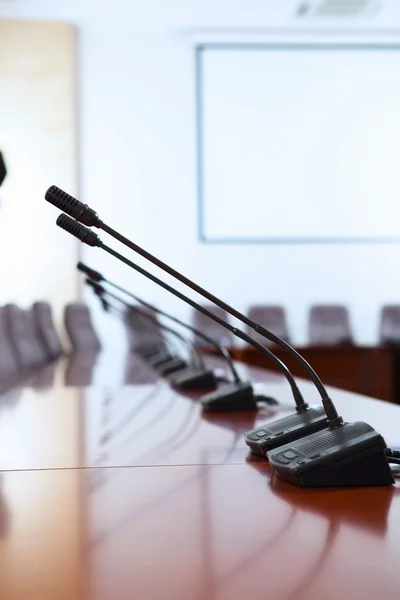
<point>115,486</point>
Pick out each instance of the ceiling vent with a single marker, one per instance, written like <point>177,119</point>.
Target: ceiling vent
<point>339,8</point>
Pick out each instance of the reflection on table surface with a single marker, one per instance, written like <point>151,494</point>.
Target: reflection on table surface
<point>199,531</point>
<point>199,518</point>
<point>73,416</point>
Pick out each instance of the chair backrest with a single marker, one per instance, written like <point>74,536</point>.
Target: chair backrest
<point>138,372</point>
<point>210,328</point>
<point>23,335</point>
<point>143,332</point>
<point>271,317</point>
<point>390,325</point>
<point>79,326</point>
<point>9,365</point>
<point>330,325</point>
<point>46,329</point>
<point>80,368</point>
<point>43,379</point>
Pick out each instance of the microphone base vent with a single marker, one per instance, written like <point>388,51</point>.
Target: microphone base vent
<point>233,397</point>
<point>285,430</point>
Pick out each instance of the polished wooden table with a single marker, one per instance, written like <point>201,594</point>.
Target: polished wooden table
<point>368,370</point>
<point>116,490</point>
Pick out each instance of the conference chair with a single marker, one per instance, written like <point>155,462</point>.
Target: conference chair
<point>142,332</point>
<point>43,379</point>
<point>80,368</point>
<point>23,335</point>
<point>271,317</point>
<point>329,325</point>
<point>46,330</point>
<point>390,325</point>
<point>79,327</point>
<point>9,366</point>
<point>210,328</point>
<point>137,371</point>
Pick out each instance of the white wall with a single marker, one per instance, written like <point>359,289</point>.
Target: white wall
<point>38,139</point>
<point>138,162</point>
<point>290,151</point>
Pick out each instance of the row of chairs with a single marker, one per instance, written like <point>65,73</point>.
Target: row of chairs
<point>29,339</point>
<point>327,325</point>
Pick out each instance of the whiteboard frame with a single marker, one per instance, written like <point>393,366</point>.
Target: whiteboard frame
<point>341,41</point>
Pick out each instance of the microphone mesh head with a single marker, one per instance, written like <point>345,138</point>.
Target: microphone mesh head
<point>84,234</point>
<point>64,201</point>
<point>71,206</point>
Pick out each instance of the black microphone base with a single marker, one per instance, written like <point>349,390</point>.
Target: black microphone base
<point>353,454</point>
<point>282,431</point>
<point>194,378</point>
<point>176,364</point>
<point>232,397</point>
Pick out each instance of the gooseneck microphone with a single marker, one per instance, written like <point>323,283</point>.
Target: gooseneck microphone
<point>230,397</point>
<point>87,216</point>
<point>98,277</point>
<point>344,454</point>
<point>197,376</point>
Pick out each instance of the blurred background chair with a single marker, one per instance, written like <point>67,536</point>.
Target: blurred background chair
<point>329,325</point>
<point>22,331</point>
<point>9,366</point>
<point>389,332</point>
<point>79,326</point>
<point>210,328</point>
<point>43,379</point>
<point>46,330</point>
<point>271,317</point>
<point>80,368</point>
<point>142,332</point>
